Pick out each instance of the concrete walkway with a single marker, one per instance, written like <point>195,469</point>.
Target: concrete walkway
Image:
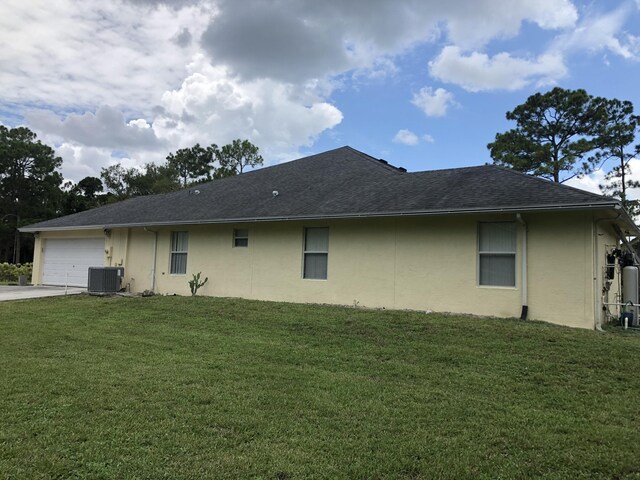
<point>23,293</point>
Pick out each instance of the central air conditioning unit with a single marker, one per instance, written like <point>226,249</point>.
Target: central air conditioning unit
<point>105,279</point>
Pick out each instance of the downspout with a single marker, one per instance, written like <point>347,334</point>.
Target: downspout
<point>597,308</point>
<point>525,293</point>
<point>155,253</point>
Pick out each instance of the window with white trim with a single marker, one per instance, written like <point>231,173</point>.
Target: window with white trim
<point>179,247</point>
<point>316,253</point>
<point>497,254</point>
<point>240,237</point>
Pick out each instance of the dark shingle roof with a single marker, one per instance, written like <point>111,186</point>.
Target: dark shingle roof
<point>338,183</point>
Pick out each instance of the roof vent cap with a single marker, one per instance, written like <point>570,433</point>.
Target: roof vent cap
<point>275,193</point>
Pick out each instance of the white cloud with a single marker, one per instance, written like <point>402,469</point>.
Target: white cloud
<point>107,128</point>
<point>634,165</point>
<point>212,105</point>
<point>90,53</point>
<point>590,183</point>
<point>479,72</point>
<point>433,103</point>
<point>476,23</point>
<point>80,161</point>
<point>406,137</point>
<point>634,176</point>
<point>601,33</point>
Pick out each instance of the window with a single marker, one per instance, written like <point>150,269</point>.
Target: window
<point>241,237</point>
<point>316,252</point>
<point>497,254</point>
<point>179,246</point>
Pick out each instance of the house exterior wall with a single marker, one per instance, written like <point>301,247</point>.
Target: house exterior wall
<point>421,263</point>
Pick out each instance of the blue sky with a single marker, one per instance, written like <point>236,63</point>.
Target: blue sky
<point>424,84</point>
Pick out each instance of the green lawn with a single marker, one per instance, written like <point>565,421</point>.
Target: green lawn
<point>177,387</point>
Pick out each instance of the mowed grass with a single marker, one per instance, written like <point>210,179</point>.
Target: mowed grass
<point>189,388</point>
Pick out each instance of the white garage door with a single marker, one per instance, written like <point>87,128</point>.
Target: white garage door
<point>67,261</point>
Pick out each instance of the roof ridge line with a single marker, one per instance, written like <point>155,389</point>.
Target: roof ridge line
<point>378,161</point>
<point>450,168</point>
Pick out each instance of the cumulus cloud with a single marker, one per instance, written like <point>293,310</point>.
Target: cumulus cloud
<point>590,183</point>
<point>433,103</point>
<point>107,128</point>
<point>478,72</point>
<point>295,40</point>
<point>213,105</point>
<point>85,54</point>
<point>475,23</point>
<point>80,161</point>
<point>407,137</point>
<point>601,33</point>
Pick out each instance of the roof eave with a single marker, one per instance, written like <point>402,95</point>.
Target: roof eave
<point>436,212</point>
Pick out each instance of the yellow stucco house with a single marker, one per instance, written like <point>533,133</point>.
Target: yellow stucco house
<point>342,227</point>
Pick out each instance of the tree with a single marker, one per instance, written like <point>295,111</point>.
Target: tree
<point>89,187</point>
<point>114,178</point>
<point>234,157</point>
<point>617,135</point>
<point>29,183</point>
<point>122,183</point>
<point>152,180</point>
<point>192,164</point>
<point>555,132</point>
<point>82,196</point>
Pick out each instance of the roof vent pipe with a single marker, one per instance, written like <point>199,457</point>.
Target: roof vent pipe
<point>525,301</point>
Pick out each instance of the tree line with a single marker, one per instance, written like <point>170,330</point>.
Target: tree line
<point>185,167</point>
<point>32,189</point>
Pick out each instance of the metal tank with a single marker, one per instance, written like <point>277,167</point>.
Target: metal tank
<point>630,291</point>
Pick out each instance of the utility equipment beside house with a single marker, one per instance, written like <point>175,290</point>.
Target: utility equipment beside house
<point>105,279</point>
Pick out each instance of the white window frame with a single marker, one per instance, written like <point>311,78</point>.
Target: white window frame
<point>305,252</point>
<point>511,254</point>
<point>173,252</point>
<point>237,237</point>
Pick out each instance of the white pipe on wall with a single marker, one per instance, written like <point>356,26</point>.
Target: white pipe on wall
<point>525,291</point>
<point>155,253</point>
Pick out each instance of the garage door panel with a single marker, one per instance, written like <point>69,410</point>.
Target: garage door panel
<point>66,261</point>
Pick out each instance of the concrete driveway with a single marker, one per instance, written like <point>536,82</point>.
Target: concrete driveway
<point>23,293</point>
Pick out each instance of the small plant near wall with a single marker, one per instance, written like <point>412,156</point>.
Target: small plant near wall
<point>195,283</point>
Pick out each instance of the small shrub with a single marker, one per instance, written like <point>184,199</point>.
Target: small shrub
<point>195,283</point>
<point>10,272</point>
